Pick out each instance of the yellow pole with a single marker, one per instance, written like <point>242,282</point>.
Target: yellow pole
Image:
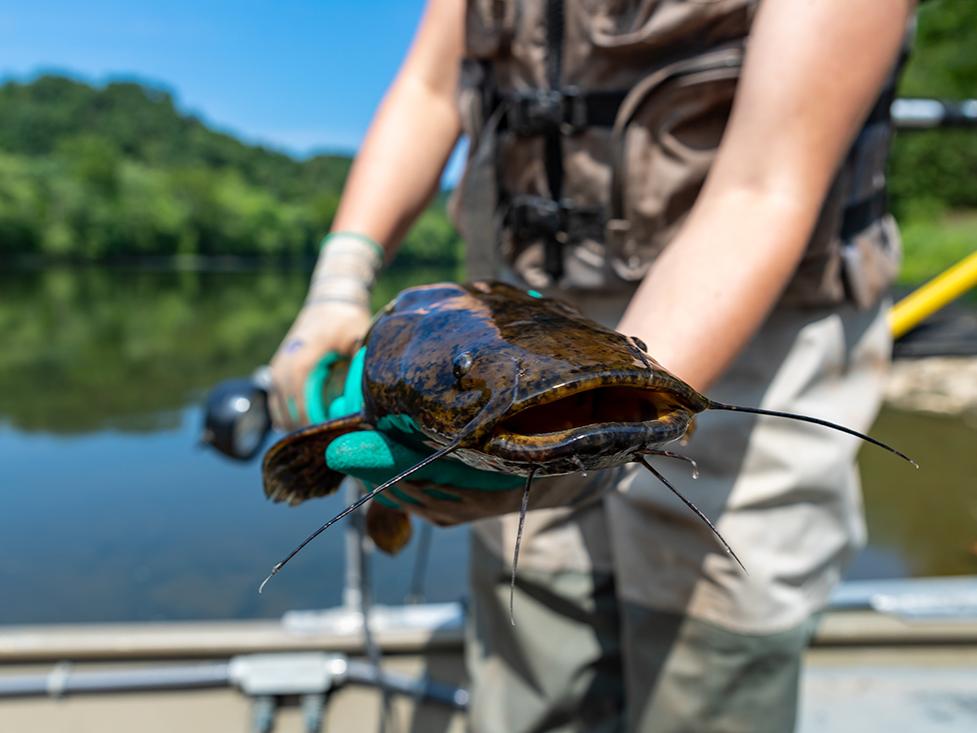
<point>932,296</point>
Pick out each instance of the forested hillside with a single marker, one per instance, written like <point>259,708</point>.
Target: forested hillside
<point>100,172</point>
<point>937,168</point>
<point>95,173</point>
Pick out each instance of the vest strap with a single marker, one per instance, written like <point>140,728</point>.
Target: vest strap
<point>536,217</point>
<point>568,111</point>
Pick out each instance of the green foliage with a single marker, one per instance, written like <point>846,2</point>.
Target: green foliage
<point>938,167</point>
<point>94,348</point>
<point>933,242</point>
<point>944,63</point>
<point>433,240</point>
<point>100,173</point>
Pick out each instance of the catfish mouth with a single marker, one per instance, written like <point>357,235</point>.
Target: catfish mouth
<point>589,425</point>
<point>586,409</point>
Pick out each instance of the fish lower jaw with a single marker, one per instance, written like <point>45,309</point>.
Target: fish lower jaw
<point>589,447</point>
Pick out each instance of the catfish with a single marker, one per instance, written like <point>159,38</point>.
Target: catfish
<point>503,380</point>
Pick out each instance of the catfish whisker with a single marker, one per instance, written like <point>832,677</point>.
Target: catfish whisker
<point>695,509</point>
<point>816,421</point>
<point>515,554</point>
<point>357,504</point>
<point>676,456</point>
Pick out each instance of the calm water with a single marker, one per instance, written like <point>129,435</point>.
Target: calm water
<point>111,512</point>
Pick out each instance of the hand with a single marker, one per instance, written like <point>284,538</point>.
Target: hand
<point>319,328</point>
<point>375,456</point>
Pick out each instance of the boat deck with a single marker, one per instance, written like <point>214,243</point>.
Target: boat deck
<point>911,666</point>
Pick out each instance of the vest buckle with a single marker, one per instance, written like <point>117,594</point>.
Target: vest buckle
<point>540,111</point>
<point>536,217</point>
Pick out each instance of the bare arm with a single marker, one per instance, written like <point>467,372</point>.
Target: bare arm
<point>812,71</point>
<point>395,173</point>
<point>413,132</point>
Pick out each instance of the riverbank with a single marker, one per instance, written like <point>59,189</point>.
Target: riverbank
<point>941,385</point>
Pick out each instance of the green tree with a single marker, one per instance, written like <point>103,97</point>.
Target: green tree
<point>96,173</point>
<point>936,169</point>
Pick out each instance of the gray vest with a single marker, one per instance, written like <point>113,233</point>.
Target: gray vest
<point>592,126</point>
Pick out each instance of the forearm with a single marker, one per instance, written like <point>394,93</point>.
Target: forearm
<point>392,179</point>
<point>811,74</point>
<point>711,289</point>
<point>399,166</point>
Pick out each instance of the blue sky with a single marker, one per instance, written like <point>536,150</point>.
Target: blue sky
<point>299,74</point>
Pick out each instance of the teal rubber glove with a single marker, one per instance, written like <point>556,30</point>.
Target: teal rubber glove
<point>376,455</point>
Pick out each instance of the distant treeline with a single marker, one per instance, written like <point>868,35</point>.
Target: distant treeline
<point>935,170</point>
<point>128,348</point>
<point>97,173</point>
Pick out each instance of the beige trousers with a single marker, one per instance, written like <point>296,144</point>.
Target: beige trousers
<point>629,616</point>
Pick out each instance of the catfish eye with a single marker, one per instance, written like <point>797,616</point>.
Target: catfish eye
<point>640,344</point>
<point>462,363</point>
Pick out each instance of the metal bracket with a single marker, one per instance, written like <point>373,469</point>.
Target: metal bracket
<point>287,674</point>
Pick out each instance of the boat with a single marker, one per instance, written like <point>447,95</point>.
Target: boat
<point>887,655</point>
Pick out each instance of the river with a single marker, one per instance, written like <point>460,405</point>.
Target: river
<point>112,512</point>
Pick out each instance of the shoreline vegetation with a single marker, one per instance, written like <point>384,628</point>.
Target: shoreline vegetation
<point>102,173</point>
<point>118,174</point>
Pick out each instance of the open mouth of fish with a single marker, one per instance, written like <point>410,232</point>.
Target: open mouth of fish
<point>590,423</point>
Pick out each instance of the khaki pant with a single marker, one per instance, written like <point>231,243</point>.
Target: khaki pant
<point>629,616</point>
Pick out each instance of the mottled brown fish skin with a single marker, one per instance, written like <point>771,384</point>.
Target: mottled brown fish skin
<point>473,362</point>
<point>440,354</point>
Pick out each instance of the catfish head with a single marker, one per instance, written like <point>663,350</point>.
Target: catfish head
<point>523,383</point>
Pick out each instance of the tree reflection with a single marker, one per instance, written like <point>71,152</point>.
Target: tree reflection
<point>97,348</point>
<point>928,517</point>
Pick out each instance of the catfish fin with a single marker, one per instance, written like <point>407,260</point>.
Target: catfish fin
<point>294,468</point>
<point>389,528</point>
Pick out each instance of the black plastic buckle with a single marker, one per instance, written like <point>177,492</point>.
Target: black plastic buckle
<point>536,112</point>
<point>537,217</point>
<point>534,217</point>
<point>574,111</point>
<point>541,111</point>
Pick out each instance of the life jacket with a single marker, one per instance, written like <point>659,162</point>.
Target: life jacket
<point>592,125</point>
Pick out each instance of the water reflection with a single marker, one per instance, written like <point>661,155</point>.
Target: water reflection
<point>111,512</point>
<point>96,348</point>
<point>927,518</point>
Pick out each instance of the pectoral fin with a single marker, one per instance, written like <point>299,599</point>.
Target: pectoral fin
<point>295,469</point>
<point>390,529</point>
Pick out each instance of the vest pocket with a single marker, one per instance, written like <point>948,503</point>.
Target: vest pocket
<point>655,25</point>
<point>666,138</point>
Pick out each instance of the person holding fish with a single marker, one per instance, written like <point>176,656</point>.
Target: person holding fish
<point>708,178</point>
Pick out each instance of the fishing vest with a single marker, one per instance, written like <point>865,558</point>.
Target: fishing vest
<point>591,127</point>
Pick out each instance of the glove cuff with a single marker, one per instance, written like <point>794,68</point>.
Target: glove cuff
<point>346,270</point>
